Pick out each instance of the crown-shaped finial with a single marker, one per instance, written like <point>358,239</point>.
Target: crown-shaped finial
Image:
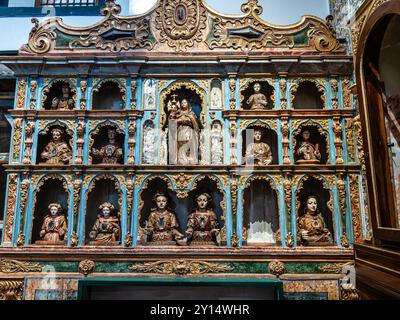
<point>252,7</point>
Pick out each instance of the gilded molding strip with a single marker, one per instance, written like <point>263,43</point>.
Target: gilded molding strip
<point>14,266</point>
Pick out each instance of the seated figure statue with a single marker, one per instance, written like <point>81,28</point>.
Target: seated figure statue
<point>258,100</point>
<point>54,227</point>
<point>57,151</point>
<point>65,101</point>
<point>311,225</point>
<point>202,227</point>
<point>111,153</point>
<point>162,225</point>
<point>106,229</point>
<point>258,152</point>
<point>307,152</point>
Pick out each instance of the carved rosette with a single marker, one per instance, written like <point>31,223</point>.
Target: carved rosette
<point>277,268</point>
<point>11,290</point>
<point>86,267</point>
<point>15,266</point>
<point>181,267</point>
<point>181,23</point>
<point>11,204</point>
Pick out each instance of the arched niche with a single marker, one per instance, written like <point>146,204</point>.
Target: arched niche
<point>381,68</point>
<point>48,145</point>
<point>102,189</point>
<point>216,96</point>
<point>260,212</point>
<point>316,136</point>
<point>318,187</point>
<point>150,188</point>
<point>149,94</point>
<point>217,142</point>
<point>266,88</point>
<point>308,95</point>
<point>212,186</point>
<point>171,136</point>
<point>106,144</point>
<point>268,136</point>
<point>59,95</point>
<point>148,142</point>
<point>108,95</point>
<point>49,190</point>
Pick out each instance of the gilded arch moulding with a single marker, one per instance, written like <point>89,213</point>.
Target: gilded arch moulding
<point>245,83</point>
<point>48,83</point>
<point>120,82</point>
<point>319,83</point>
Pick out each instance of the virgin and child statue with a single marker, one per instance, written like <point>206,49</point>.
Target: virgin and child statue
<point>183,133</point>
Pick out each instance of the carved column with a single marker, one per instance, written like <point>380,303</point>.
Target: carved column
<point>77,184</point>
<point>233,141</point>
<point>282,90</point>
<point>80,132</point>
<point>33,89</point>
<point>21,93</point>
<point>285,140</point>
<point>130,186</point>
<point>234,202</point>
<point>334,91</point>
<point>17,139</point>
<point>83,85</point>
<point>29,129</point>
<point>287,188</point>
<point>23,198</point>
<point>337,128</point>
<point>10,206</point>
<point>341,187</point>
<point>131,141</point>
<point>133,93</point>
<point>232,93</point>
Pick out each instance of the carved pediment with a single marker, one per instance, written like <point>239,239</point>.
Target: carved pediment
<point>182,26</point>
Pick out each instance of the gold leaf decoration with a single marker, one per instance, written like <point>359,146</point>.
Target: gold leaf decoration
<point>14,266</point>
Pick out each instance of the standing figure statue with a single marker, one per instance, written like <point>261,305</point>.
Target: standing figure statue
<point>54,227</point>
<point>258,153</point>
<point>162,225</point>
<point>111,153</point>
<point>65,101</point>
<point>311,225</point>
<point>258,100</point>
<point>57,151</point>
<point>202,227</point>
<point>307,152</point>
<point>106,229</point>
<point>184,129</point>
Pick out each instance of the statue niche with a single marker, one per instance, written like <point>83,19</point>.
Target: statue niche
<point>307,96</point>
<point>310,146</point>
<point>260,146</point>
<point>216,101</point>
<point>49,225</point>
<point>257,96</point>
<point>260,213</point>
<point>314,222</point>
<point>102,223</point>
<point>107,146</point>
<point>108,96</point>
<point>60,96</point>
<point>183,127</point>
<point>159,223</point>
<point>55,146</point>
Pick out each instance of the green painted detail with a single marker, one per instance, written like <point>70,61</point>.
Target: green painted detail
<point>238,267</point>
<point>301,38</point>
<point>63,40</point>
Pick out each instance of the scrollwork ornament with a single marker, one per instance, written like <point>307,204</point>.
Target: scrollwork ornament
<point>181,267</point>
<point>16,266</point>
<point>41,38</point>
<point>11,290</point>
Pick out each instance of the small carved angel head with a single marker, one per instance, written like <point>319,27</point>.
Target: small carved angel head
<point>257,87</point>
